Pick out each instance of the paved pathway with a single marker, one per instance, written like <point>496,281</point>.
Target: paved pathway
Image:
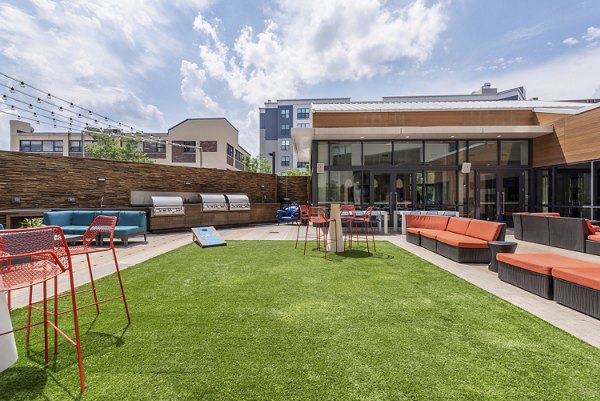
<point>579,325</point>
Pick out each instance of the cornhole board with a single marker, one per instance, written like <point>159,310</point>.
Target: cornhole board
<point>207,237</point>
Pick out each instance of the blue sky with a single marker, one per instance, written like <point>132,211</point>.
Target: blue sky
<point>154,63</point>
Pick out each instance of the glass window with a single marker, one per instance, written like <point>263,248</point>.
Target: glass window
<point>48,146</point>
<point>285,144</point>
<point>303,114</point>
<point>302,164</point>
<point>440,153</point>
<point>441,190</point>
<point>75,146</point>
<point>36,146</point>
<point>573,187</point>
<point>190,147</point>
<point>285,113</point>
<point>377,153</point>
<point>462,152</point>
<point>322,182</point>
<point>408,152</point>
<point>323,152</point>
<point>58,146</point>
<point>514,153</point>
<point>229,150</point>
<point>285,129</point>
<point>303,125</point>
<point>344,187</point>
<point>344,153</point>
<point>483,152</point>
<point>25,146</point>
<point>285,161</point>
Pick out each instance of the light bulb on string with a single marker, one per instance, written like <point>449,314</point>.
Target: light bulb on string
<point>49,96</point>
<point>39,100</point>
<point>34,114</point>
<point>71,104</point>
<point>90,112</point>
<point>60,109</point>
<point>37,121</point>
<point>30,106</point>
<point>4,97</point>
<point>52,113</point>
<point>12,90</point>
<point>106,119</point>
<point>22,84</point>
<point>12,107</point>
<point>18,116</point>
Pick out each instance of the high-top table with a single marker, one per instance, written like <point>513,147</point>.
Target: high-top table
<point>8,348</point>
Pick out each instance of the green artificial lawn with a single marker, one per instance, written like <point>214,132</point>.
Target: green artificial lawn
<point>260,321</point>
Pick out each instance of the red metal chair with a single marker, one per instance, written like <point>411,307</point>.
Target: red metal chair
<point>348,215</point>
<point>35,256</point>
<point>302,220</point>
<point>101,225</point>
<point>318,218</point>
<point>367,225</point>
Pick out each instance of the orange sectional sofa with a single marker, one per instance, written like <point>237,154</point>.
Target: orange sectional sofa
<point>462,240</point>
<point>571,282</point>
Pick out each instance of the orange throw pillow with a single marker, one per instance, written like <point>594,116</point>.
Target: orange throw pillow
<point>590,227</point>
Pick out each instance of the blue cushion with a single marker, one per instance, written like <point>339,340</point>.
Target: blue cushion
<point>108,213</point>
<point>82,218</point>
<point>128,230</point>
<point>132,219</point>
<point>58,218</point>
<point>74,230</point>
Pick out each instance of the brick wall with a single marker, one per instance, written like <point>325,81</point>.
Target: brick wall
<point>208,146</point>
<point>47,182</point>
<point>179,156</point>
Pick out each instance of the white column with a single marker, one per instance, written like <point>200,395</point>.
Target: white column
<point>334,213</point>
<point>8,348</point>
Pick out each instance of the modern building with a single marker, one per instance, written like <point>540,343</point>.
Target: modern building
<point>279,117</point>
<point>485,159</point>
<point>217,138</point>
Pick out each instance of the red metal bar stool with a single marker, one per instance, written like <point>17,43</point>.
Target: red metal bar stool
<point>302,220</point>
<point>35,256</point>
<point>100,225</point>
<point>366,223</point>
<point>318,218</point>
<point>348,215</point>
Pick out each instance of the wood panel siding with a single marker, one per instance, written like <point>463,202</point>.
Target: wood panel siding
<point>423,118</point>
<point>576,139</point>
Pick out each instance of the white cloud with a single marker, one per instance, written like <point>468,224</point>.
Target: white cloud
<point>192,81</point>
<point>93,52</point>
<point>500,63</point>
<point>592,33</point>
<point>310,42</point>
<point>570,41</point>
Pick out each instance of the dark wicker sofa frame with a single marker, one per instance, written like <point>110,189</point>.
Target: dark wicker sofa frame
<point>578,297</point>
<point>536,283</point>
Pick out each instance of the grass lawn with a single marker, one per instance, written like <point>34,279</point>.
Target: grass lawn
<point>258,320</point>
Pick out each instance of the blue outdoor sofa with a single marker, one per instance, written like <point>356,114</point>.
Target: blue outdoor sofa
<point>76,222</point>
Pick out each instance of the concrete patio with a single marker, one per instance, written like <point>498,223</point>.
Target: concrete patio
<point>577,324</point>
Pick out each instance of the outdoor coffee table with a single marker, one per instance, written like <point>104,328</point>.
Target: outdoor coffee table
<point>8,348</point>
<point>497,247</point>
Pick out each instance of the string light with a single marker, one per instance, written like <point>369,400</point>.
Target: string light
<point>22,84</point>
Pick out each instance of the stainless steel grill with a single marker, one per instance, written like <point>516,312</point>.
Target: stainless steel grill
<point>167,206</point>
<point>213,203</point>
<point>238,202</point>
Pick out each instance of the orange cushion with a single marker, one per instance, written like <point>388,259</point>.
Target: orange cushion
<point>587,277</point>
<point>430,232</point>
<point>542,263</point>
<point>595,237</point>
<point>460,241</point>
<point>413,230</point>
<point>551,214</point>
<point>485,230</point>
<point>458,225</point>
<point>590,227</point>
<point>425,221</point>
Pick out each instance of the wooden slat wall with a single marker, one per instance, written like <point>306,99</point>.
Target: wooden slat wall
<point>423,118</point>
<point>576,139</point>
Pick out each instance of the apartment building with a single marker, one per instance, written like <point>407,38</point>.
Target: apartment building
<point>278,118</point>
<point>206,142</point>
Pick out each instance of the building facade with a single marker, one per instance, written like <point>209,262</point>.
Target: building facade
<point>279,117</point>
<point>485,159</point>
<point>217,138</point>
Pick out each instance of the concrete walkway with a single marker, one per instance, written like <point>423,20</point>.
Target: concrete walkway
<point>579,325</point>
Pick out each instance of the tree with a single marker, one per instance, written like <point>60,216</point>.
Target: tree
<point>257,164</point>
<point>107,147</point>
<point>296,171</point>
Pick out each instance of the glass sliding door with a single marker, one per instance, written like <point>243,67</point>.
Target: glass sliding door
<point>499,195</point>
<point>487,195</point>
<point>382,191</point>
<point>511,200</point>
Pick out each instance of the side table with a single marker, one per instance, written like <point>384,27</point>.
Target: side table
<point>497,247</point>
